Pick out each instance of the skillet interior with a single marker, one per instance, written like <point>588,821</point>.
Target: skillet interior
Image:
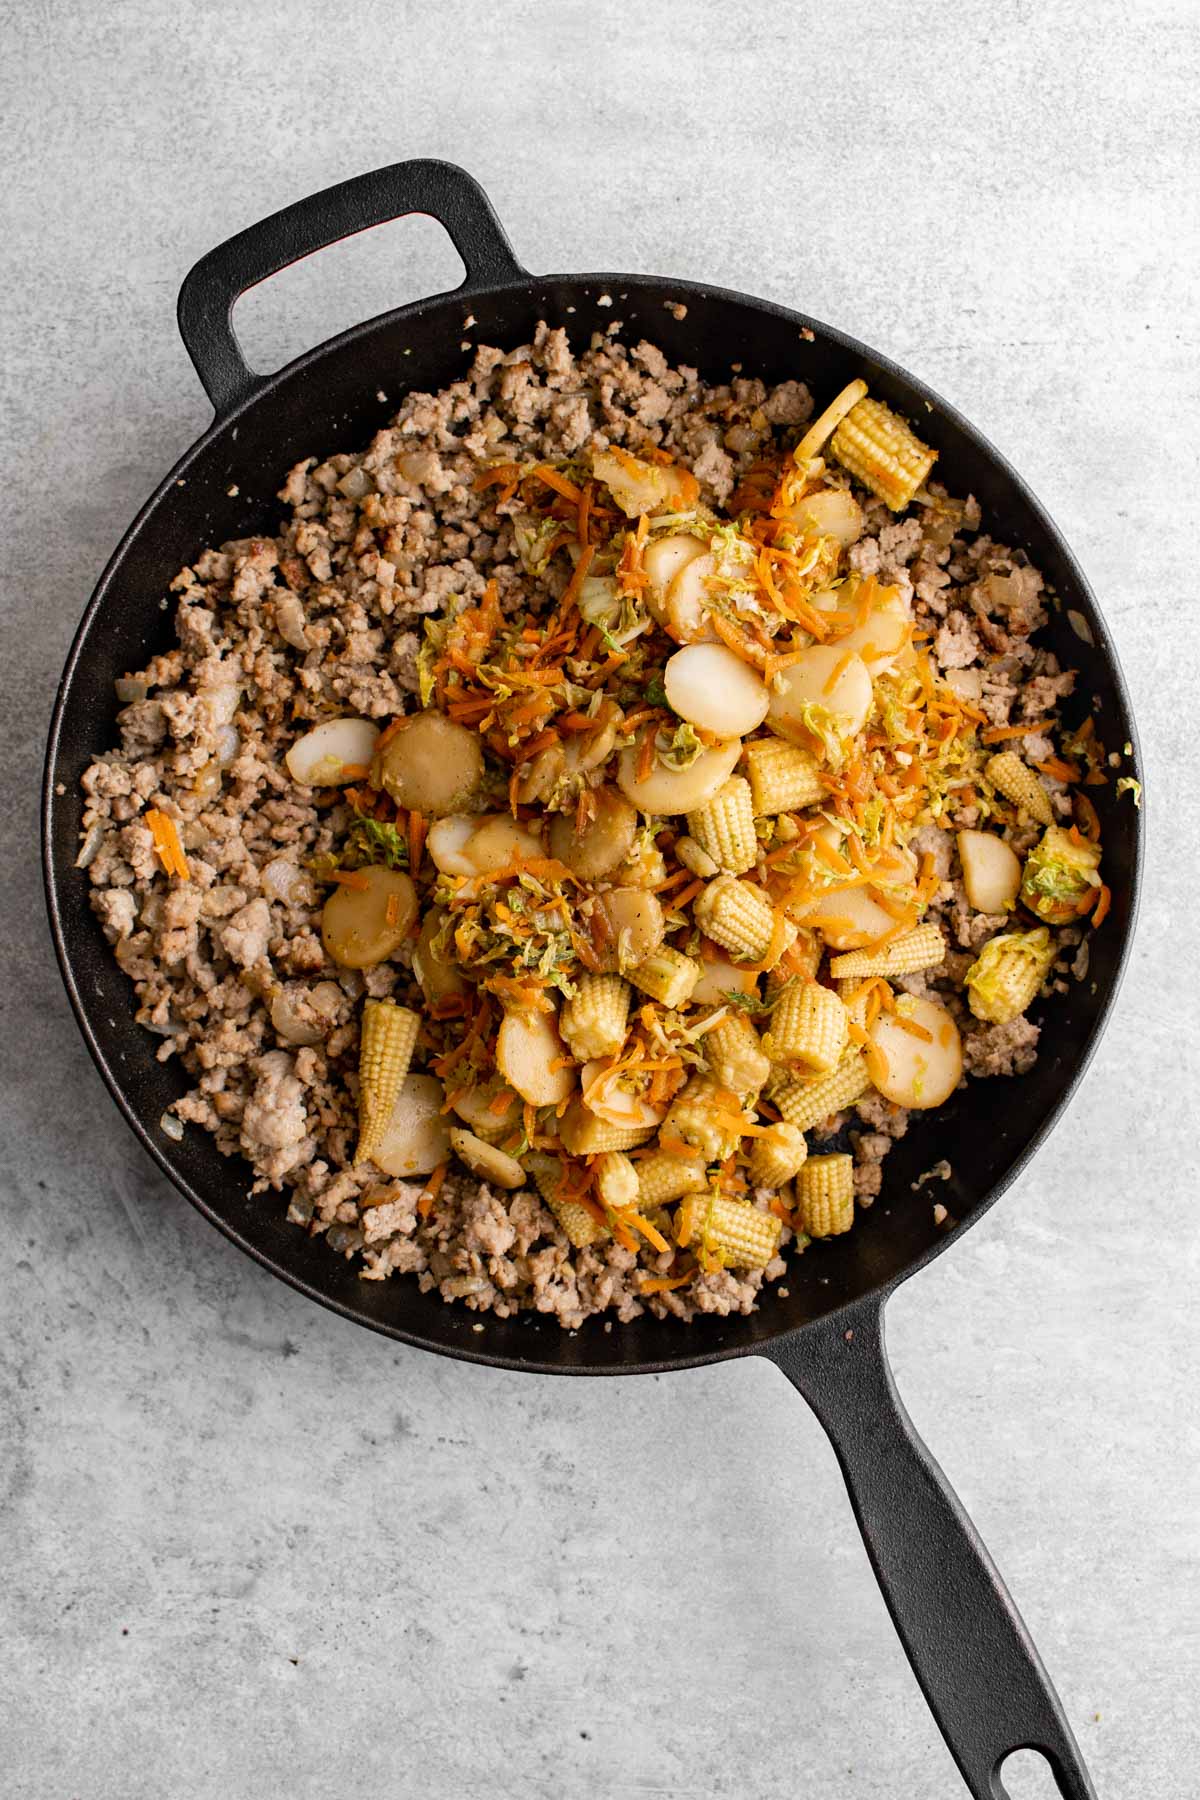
<point>327,401</point>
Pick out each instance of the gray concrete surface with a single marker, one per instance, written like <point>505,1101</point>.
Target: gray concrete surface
<point>248,1549</point>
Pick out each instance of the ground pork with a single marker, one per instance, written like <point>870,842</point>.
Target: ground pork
<point>327,617</point>
<point>1001,1049</point>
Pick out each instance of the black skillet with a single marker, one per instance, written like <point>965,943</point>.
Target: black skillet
<point>967,1644</point>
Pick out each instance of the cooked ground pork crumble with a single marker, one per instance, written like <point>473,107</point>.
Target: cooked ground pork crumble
<point>326,619</point>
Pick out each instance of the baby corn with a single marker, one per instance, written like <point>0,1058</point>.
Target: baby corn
<point>583,1134</point>
<point>1018,783</point>
<point>616,1180</point>
<point>825,1195</point>
<point>735,1055</point>
<point>663,1178</point>
<point>703,1117</point>
<point>783,778</point>
<point>724,828</point>
<point>778,1155</point>
<point>667,975</point>
<point>923,948</point>
<point>806,1103</point>
<point>808,1028</point>
<point>731,1231</point>
<point>880,450</point>
<point>389,1033</point>
<point>738,916</point>
<point>592,1022</point>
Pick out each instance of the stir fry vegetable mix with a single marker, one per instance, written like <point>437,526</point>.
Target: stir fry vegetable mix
<point>651,834</point>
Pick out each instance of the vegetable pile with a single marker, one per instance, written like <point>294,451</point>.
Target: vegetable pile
<point>649,847</point>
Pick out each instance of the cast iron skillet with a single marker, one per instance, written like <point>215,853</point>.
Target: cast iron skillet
<point>968,1646</point>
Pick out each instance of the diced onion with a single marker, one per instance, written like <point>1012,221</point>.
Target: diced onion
<point>90,846</point>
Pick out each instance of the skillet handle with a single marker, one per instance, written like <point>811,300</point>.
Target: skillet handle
<point>967,1643</point>
<point>210,289</point>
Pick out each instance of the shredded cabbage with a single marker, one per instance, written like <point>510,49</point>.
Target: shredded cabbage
<point>618,618</point>
<point>533,539</point>
<point>823,725</point>
<point>1058,872</point>
<point>427,655</point>
<point>683,748</point>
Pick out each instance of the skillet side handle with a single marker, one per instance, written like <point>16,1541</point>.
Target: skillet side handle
<point>967,1643</point>
<point>210,289</point>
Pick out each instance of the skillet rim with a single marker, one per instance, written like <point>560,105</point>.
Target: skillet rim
<point>770,1345</point>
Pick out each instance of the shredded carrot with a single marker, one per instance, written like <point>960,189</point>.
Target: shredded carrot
<point>995,734</point>
<point>358,879</point>
<point>167,846</point>
<point>913,1029</point>
<point>829,922</point>
<point>586,495</point>
<point>501,1102</point>
<point>662,1284</point>
<point>1057,769</point>
<point>646,754</point>
<point>559,483</point>
<point>633,719</point>
<point>431,1190</point>
<point>736,639</point>
<point>783,851</point>
<point>895,909</point>
<point>505,475</point>
<point>831,857</point>
<point>816,623</point>
<point>1103,905</point>
<point>545,740</point>
<point>391,911</point>
<point>835,674</point>
<point>572,589</point>
<point>631,569</point>
<point>686,896</point>
<point>648,1231</point>
<point>416,839</point>
<point>661,887</point>
<point>1088,817</point>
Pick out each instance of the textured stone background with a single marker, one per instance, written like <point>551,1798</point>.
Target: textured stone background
<point>249,1549</point>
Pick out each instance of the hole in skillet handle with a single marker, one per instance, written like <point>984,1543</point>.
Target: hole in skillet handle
<point>1027,1774</point>
<point>211,288</point>
<point>356,278</point>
